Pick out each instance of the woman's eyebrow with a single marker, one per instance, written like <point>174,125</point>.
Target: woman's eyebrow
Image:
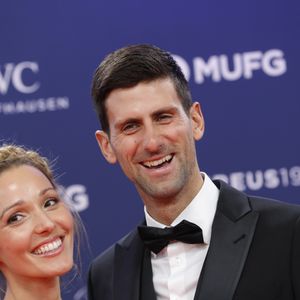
<point>19,202</point>
<point>44,191</point>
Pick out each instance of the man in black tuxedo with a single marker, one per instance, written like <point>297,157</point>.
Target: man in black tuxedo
<point>200,239</point>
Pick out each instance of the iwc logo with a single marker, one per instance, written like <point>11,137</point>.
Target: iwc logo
<point>22,79</point>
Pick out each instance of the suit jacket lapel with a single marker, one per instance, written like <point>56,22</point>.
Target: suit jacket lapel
<point>127,267</point>
<point>232,233</point>
<point>147,288</point>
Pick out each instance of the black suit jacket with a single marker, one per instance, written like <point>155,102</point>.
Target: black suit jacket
<point>254,255</point>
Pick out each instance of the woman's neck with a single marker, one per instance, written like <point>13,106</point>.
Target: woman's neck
<point>35,290</point>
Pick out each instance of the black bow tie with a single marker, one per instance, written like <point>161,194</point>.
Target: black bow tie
<point>157,238</point>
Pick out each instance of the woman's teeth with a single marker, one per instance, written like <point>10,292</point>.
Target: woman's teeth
<point>48,247</point>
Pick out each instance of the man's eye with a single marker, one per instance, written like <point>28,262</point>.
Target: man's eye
<point>129,128</point>
<point>15,218</point>
<point>164,118</point>
<point>51,202</point>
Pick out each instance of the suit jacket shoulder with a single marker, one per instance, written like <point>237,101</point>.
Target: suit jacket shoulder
<point>231,200</point>
<point>115,269</point>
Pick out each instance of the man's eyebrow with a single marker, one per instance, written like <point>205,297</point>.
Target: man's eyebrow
<point>121,123</point>
<point>19,202</point>
<point>170,109</point>
<point>167,109</point>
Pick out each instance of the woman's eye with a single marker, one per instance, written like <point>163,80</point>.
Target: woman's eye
<point>15,218</point>
<point>51,202</point>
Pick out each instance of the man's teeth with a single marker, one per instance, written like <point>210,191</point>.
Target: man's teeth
<point>156,163</point>
<point>48,247</point>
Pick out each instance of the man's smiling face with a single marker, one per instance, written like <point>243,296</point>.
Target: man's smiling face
<point>153,138</point>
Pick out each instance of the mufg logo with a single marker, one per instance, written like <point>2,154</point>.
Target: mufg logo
<point>240,65</point>
<point>13,76</point>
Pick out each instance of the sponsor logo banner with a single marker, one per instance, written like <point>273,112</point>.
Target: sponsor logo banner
<point>23,78</point>
<point>244,65</point>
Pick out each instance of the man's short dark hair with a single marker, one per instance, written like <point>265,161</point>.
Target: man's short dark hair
<point>128,66</point>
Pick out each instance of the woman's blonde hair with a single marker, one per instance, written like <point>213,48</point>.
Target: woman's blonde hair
<point>13,156</point>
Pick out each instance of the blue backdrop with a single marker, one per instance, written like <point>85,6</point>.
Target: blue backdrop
<point>242,62</point>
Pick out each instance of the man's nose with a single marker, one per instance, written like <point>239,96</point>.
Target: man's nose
<point>152,139</point>
<point>43,223</point>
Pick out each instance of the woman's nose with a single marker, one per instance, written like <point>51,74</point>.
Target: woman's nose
<point>43,223</point>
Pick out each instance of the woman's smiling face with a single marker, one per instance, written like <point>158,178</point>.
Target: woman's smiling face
<point>36,226</point>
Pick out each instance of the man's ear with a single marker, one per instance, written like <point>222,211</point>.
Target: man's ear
<point>198,125</point>
<point>105,146</point>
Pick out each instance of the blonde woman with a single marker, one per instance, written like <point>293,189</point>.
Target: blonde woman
<point>36,227</point>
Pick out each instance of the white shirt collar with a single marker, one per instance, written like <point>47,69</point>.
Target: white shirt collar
<point>200,211</point>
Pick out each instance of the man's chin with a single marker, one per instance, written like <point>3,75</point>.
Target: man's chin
<point>160,191</point>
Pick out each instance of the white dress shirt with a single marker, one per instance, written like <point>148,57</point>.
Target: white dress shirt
<point>176,269</point>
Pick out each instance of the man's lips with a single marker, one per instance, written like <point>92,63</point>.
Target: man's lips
<point>158,162</point>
